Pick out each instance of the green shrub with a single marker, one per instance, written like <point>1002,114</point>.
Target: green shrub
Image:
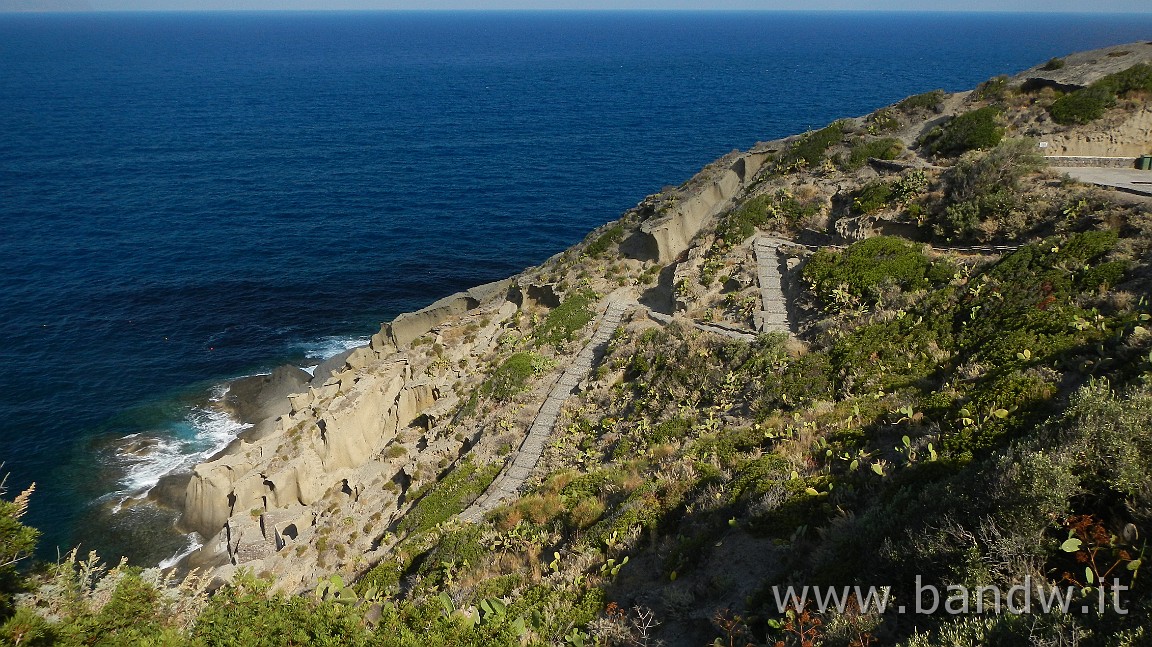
<point>1089,245</point>
<point>975,130</point>
<point>671,430</point>
<point>884,356</point>
<point>884,149</point>
<point>872,197</point>
<point>600,245</point>
<point>1082,106</point>
<point>512,376</point>
<point>1053,64</point>
<point>562,323</point>
<point>994,89</point>
<point>1104,275</point>
<point>1088,104</point>
<point>135,613</point>
<point>781,209</point>
<point>17,541</point>
<point>27,628</point>
<point>759,475</point>
<point>385,577</point>
<point>455,548</point>
<point>449,497</point>
<point>245,614</point>
<point>1137,78</point>
<point>809,150</point>
<point>927,101</point>
<point>866,267</point>
<point>884,120</point>
<point>986,187</point>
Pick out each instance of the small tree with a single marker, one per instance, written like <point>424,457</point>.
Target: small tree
<point>17,541</point>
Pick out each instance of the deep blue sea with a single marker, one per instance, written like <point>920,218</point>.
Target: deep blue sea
<point>186,198</point>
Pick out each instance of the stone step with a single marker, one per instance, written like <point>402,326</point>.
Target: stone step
<point>776,306</point>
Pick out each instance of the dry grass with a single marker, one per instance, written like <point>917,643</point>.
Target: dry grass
<point>587,512</point>
<point>540,509</point>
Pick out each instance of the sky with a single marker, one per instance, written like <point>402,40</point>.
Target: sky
<point>1119,6</point>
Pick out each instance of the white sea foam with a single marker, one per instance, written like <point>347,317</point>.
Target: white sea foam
<point>202,433</point>
<point>194,543</point>
<point>331,346</point>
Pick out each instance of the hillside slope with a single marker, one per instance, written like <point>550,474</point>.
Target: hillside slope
<point>905,350</point>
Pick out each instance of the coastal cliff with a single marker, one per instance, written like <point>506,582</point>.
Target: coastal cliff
<point>907,347</point>
<point>391,418</point>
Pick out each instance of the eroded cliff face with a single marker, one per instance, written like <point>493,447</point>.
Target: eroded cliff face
<point>324,473</point>
<point>673,232</point>
<point>1125,135</point>
<point>327,447</point>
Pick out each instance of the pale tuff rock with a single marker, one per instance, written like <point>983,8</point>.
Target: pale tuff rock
<point>673,232</point>
<point>324,450</point>
<point>328,432</point>
<point>411,325</point>
<point>1129,136</point>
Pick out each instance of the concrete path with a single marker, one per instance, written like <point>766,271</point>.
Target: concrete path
<point>723,330</point>
<point>1123,179</point>
<point>508,483</point>
<point>773,315</point>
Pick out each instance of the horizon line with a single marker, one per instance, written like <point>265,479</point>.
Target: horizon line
<point>575,10</point>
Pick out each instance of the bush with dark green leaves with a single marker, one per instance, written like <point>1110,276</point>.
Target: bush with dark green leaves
<point>985,188</point>
<point>449,497</point>
<point>1082,106</point>
<point>17,542</point>
<point>511,377</point>
<point>780,210</point>
<point>978,129</point>
<point>809,151</point>
<point>862,150</point>
<point>247,614</point>
<point>926,101</point>
<point>872,197</point>
<point>562,323</point>
<point>605,241</point>
<point>1089,104</point>
<point>867,267</point>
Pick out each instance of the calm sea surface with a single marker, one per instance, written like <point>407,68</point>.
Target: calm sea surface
<point>186,198</point>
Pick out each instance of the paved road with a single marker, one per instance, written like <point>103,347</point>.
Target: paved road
<point>1124,179</point>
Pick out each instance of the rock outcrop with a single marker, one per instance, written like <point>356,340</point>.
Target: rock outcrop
<point>1083,68</point>
<point>410,325</point>
<point>673,232</point>
<point>319,433</point>
<point>1128,135</point>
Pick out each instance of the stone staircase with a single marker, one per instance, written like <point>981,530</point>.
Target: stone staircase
<point>509,481</point>
<point>773,314</point>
